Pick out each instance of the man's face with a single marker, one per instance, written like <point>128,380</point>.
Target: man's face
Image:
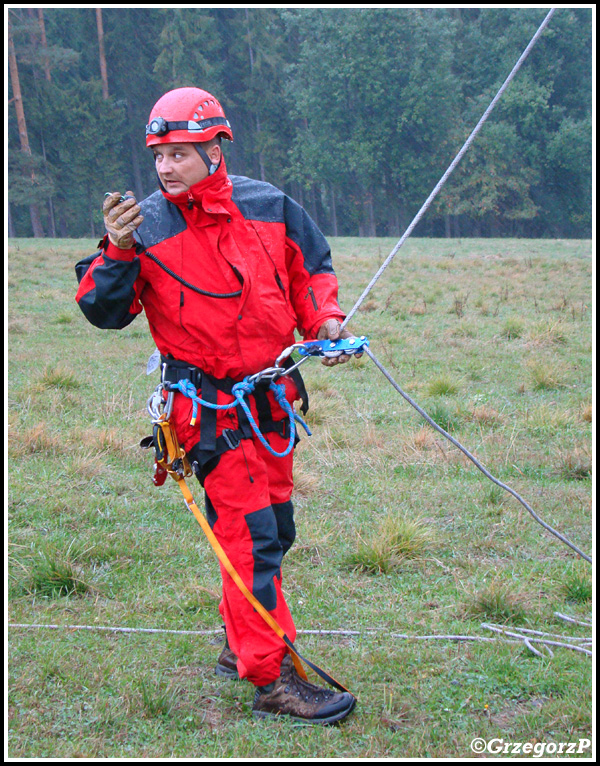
<point>179,166</point>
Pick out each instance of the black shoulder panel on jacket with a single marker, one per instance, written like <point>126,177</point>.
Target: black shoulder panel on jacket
<point>261,201</point>
<point>258,200</point>
<point>162,220</point>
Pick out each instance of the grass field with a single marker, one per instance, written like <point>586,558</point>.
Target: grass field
<point>398,535</point>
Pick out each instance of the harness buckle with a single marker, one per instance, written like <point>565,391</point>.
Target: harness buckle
<point>232,440</point>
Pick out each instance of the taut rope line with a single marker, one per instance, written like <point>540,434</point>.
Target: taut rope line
<point>450,170</point>
<point>474,460</point>
<point>397,247</point>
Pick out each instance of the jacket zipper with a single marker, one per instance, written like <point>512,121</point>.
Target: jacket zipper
<point>312,297</point>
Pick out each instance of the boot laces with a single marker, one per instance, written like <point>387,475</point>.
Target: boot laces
<point>300,688</point>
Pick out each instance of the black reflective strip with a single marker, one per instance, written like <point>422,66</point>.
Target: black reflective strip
<point>286,528</point>
<point>266,554</point>
<point>211,514</point>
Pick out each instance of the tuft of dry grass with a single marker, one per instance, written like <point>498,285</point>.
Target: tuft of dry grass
<point>544,376</point>
<point>547,333</point>
<point>487,415</point>
<point>573,464</point>
<point>34,440</point>
<point>586,413</point>
<point>443,385</point>
<point>396,539</point>
<point>422,440</point>
<point>57,376</point>
<point>305,483</point>
<point>103,439</point>
<point>419,309</point>
<point>499,602</point>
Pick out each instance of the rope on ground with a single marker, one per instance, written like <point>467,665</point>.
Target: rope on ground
<point>503,634</point>
<point>450,169</point>
<point>473,459</point>
<point>566,618</point>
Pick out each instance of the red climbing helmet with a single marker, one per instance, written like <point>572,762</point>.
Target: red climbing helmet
<point>186,115</point>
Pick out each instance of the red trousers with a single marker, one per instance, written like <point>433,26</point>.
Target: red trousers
<point>248,505</point>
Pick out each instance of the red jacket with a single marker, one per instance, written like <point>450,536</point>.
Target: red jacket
<point>229,236</point>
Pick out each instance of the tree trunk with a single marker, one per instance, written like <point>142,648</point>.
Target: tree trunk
<point>36,222</point>
<point>367,215</point>
<point>102,54</point>
<point>135,163</point>
<point>261,157</point>
<point>334,225</point>
<point>50,204</point>
<point>44,44</point>
<point>371,212</point>
<point>11,228</point>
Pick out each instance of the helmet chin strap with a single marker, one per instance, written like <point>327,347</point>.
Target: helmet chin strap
<point>207,161</point>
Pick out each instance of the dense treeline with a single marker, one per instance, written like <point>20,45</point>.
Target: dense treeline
<point>354,112</point>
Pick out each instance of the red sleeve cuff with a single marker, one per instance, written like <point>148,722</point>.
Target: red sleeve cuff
<point>117,254</point>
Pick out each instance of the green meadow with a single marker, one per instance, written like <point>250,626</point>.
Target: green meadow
<point>399,536</point>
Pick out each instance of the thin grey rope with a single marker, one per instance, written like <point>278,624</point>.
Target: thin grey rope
<point>448,172</point>
<point>473,459</point>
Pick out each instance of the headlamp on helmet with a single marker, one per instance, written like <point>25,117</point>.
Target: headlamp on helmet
<point>157,127</point>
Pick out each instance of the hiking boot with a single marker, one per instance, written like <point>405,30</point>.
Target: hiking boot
<point>227,664</point>
<point>291,695</point>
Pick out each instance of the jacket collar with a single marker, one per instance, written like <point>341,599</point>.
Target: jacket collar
<point>211,194</point>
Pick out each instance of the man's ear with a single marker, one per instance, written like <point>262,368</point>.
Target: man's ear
<point>215,154</point>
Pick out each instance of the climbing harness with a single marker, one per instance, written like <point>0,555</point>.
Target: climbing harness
<point>240,391</point>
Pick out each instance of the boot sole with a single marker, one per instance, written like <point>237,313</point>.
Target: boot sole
<point>263,714</point>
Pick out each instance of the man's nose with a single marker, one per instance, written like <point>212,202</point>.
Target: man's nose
<point>164,166</point>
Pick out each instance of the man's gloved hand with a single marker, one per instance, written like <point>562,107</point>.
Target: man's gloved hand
<point>121,219</point>
<point>330,330</point>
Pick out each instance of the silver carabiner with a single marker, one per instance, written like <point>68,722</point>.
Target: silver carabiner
<point>268,373</point>
<point>156,405</point>
<point>287,352</point>
<point>154,402</point>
